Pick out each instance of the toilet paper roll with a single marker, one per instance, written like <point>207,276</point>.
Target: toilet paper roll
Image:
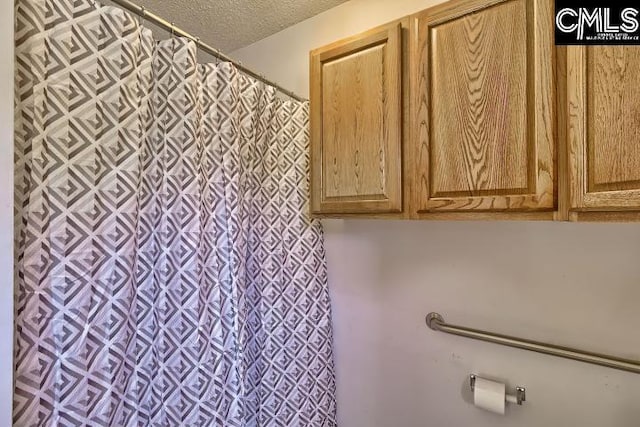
<point>489,395</point>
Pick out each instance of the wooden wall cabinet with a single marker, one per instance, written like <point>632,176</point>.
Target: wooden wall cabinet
<point>483,112</point>
<point>475,114</point>
<point>356,119</point>
<point>604,131</point>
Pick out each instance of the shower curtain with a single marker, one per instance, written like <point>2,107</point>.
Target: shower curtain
<point>168,273</point>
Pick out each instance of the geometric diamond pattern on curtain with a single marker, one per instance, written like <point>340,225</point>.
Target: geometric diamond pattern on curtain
<point>168,272</point>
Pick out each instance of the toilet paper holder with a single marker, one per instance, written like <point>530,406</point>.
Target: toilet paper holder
<point>521,392</point>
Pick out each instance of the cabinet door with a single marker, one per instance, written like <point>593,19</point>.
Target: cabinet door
<point>604,127</point>
<point>356,124</point>
<point>483,116</point>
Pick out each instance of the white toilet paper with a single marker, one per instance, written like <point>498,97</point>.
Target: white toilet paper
<point>489,395</point>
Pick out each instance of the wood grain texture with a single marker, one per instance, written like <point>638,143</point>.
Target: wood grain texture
<point>407,153</point>
<point>613,117</point>
<point>576,134</point>
<point>453,216</point>
<point>604,128</point>
<point>356,119</point>
<point>479,104</point>
<point>484,105</point>
<point>614,216</point>
<point>353,135</point>
<point>562,171</point>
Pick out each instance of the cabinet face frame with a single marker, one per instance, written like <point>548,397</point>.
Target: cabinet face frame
<point>389,37</point>
<point>585,197</point>
<point>541,192</point>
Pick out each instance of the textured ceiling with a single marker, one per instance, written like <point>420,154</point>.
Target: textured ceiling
<point>232,24</point>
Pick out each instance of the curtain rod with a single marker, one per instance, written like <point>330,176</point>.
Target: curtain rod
<point>168,26</point>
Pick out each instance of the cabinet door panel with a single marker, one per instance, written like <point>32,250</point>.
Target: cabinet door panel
<point>484,112</point>
<point>354,169</point>
<point>356,124</point>
<point>604,127</point>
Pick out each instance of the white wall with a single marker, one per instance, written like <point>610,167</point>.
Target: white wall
<point>571,284</point>
<point>6,212</point>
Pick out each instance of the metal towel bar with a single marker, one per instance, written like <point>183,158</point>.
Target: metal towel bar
<point>436,322</point>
